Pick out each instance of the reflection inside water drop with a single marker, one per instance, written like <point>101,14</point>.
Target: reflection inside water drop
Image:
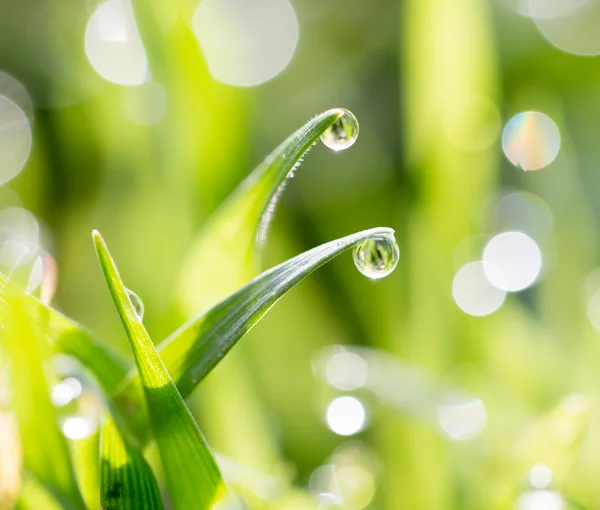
<point>343,133</point>
<point>377,256</point>
<point>137,303</point>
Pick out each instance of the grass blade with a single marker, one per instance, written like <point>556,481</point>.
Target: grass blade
<point>126,480</point>
<point>223,256</point>
<point>191,352</point>
<point>222,259</point>
<point>45,450</point>
<point>192,476</point>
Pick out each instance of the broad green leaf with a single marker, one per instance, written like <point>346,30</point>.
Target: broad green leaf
<point>192,476</point>
<point>191,352</point>
<point>68,337</point>
<point>223,256</point>
<point>45,449</point>
<point>126,480</point>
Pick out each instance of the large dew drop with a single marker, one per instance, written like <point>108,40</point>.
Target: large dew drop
<point>343,133</point>
<point>137,303</point>
<point>377,256</point>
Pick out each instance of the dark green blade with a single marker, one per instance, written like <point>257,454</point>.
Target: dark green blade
<point>126,480</point>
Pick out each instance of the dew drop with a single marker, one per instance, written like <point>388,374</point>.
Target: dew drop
<point>137,303</point>
<point>343,133</point>
<point>377,256</point>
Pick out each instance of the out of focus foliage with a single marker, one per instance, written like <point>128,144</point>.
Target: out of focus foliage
<point>467,379</point>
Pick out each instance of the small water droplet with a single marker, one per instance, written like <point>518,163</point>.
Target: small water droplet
<point>137,303</point>
<point>343,133</point>
<point>377,256</point>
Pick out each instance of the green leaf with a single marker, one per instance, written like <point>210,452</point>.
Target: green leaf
<point>191,352</point>
<point>192,477</point>
<point>68,337</point>
<point>35,497</point>
<point>126,480</point>
<point>223,257</point>
<point>45,449</point>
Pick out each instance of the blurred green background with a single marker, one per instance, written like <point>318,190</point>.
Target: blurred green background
<point>462,395</point>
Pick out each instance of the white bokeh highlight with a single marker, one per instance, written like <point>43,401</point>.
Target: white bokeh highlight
<point>473,292</point>
<point>76,427</point>
<point>14,90</point>
<point>512,261</point>
<point>593,310</point>
<point>524,212</point>
<point>246,42</point>
<point>552,9</point>
<point>145,105</point>
<point>323,485</point>
<point>575,29</point>
<point>15,139</point>
<point>540,476</point>
<point>19,238</point>
<point>346,416</point>
<point>113,44</point>
<point>35,275</point>
<point>346,371</point>
<point>540,500</point>
<point>462,419</point>
<point>66,391</point>
<point>531,140</point>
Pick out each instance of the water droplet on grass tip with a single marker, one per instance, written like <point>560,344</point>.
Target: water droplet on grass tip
<point>137,303</point>
<point>377,256</point>
<point>343,133</point>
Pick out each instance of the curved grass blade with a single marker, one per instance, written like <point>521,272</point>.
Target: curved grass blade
<point>192,477</point>
<point>45,449</point>
<point>223,256</point>
<point>192,351</point>
<point>126,480</point>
